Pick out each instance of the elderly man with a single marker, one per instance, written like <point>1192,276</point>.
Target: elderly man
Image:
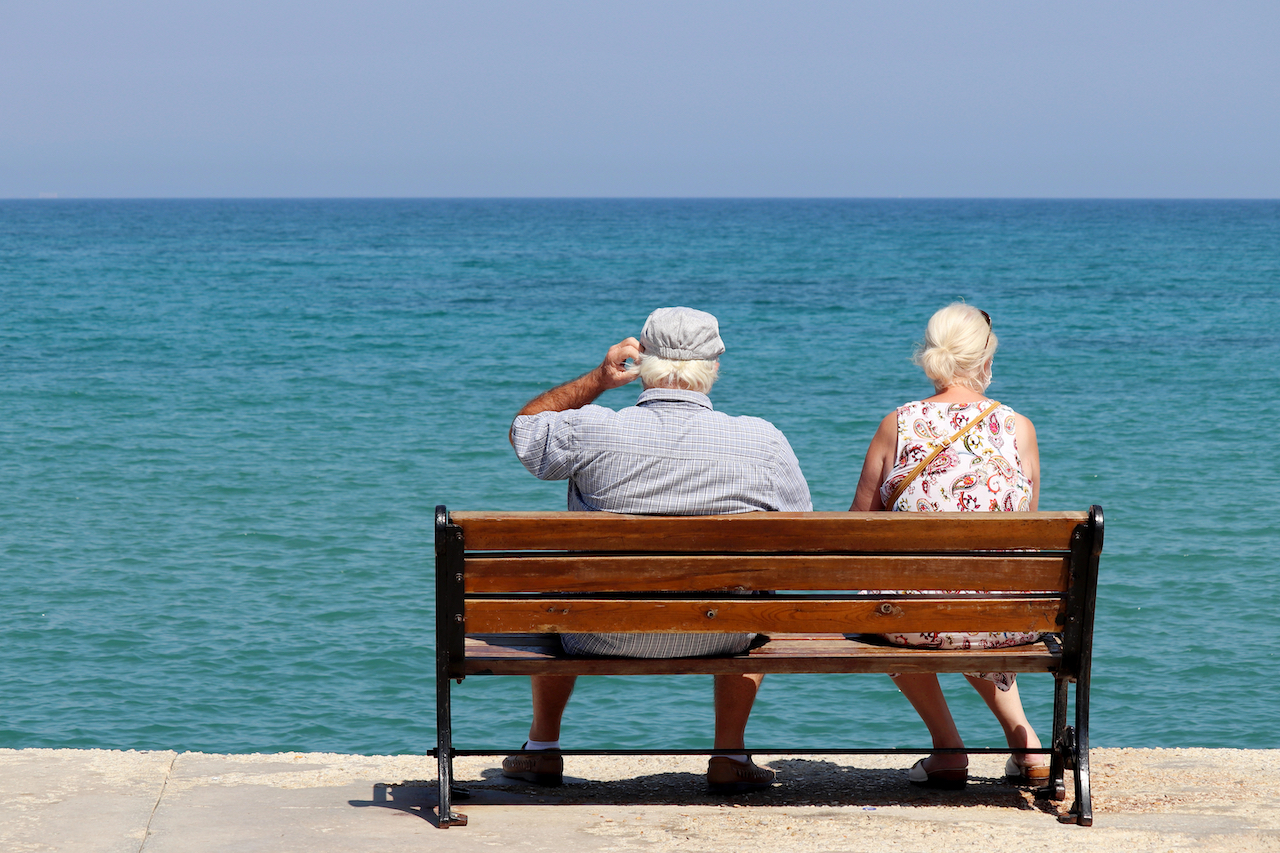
<point>670,454</point>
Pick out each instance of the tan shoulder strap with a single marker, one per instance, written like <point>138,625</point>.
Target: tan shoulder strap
<point>924,463</point>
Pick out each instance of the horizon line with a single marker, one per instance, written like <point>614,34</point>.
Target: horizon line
<point>53,197</point>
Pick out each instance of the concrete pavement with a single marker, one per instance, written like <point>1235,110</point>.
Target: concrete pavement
<point>99,801</point>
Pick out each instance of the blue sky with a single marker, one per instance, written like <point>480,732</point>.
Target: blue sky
<point>284,98</point>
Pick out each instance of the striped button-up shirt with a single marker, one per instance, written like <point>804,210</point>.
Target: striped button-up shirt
<point>670,454</point>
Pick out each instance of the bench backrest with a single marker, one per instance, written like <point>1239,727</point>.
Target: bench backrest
<point>555,572</point>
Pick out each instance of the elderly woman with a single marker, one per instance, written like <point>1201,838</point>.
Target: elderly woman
<point>994,466</point>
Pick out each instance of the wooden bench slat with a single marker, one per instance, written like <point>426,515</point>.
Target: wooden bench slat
<point>771,531</point>
<point>591,572</point>
<point>763,614</point>
<point>831,653</point>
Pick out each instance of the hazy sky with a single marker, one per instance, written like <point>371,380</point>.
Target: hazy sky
<point>421,98</point>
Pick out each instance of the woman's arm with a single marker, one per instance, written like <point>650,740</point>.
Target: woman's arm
<point>1024,438</point>
<point>877,465</point>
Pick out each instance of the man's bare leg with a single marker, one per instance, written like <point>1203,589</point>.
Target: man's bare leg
<point>731,774</point>
<point>550,696</point>
<point>735,694</point>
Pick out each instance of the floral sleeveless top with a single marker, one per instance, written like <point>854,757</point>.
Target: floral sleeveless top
<point>980,472</point>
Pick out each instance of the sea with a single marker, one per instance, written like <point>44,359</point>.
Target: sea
<point>225,426</point>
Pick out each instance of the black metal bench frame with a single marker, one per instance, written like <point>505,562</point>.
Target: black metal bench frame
<point>546,537</point>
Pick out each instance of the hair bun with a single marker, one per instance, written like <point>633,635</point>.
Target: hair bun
<point>957,344</point>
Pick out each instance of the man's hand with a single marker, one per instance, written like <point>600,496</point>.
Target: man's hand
<point>612,373</point>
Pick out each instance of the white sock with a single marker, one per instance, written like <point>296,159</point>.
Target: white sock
<point>542,744</point>
<point>743,757</point>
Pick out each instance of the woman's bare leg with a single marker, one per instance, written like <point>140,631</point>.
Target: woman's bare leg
<point>925,695</point>
<point>1007,706</point>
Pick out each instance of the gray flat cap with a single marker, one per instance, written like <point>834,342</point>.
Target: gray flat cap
<point>681,334</point>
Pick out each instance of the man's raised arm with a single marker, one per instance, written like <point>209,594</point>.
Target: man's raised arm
<point>574,394</point>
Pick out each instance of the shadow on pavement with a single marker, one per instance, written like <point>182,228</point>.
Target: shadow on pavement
<point>802,782</point>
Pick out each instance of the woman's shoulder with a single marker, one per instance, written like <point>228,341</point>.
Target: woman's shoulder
<point>1007,411</point>
<point>1002,410</point>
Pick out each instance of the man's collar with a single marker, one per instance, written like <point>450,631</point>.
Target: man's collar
<point>673,395</point>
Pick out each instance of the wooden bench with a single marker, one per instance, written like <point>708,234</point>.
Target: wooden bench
<point>507,582</point>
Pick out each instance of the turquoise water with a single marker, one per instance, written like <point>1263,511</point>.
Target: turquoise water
<point>226,425</point>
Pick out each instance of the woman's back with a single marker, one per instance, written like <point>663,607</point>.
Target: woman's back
<point>982,471</point>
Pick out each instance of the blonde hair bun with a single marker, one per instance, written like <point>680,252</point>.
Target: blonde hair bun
<point>957,344</point>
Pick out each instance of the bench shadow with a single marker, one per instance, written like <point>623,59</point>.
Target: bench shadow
<point>803,782</point>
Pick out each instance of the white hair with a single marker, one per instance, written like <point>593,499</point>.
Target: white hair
<point>696,375</point>
<point>957,346</point>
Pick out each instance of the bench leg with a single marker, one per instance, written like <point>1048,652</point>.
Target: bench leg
<point>1057,788</point>
<point>1073,752</point>
<point>1084,796</point>
<point>1083,808</point>
<point>447,817</point>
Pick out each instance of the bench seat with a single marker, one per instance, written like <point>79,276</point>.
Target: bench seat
<point>541,654</point>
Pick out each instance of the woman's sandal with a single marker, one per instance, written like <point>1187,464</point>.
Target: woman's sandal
<point>1026,774</point>
<point>946,778</point>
